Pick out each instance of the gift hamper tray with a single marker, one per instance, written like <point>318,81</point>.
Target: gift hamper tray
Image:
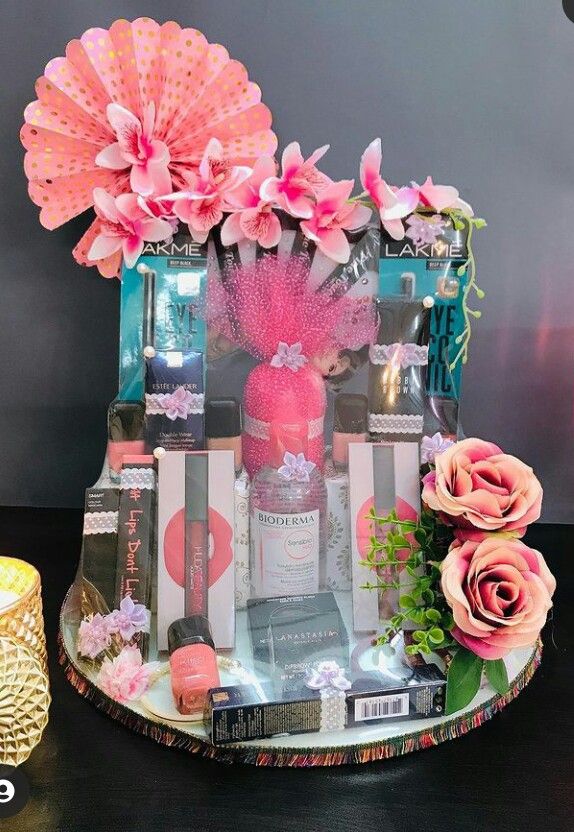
<point>292,555</point>
<point>363,743</point>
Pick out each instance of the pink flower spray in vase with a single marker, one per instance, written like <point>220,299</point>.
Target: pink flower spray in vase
<point>269,309</point>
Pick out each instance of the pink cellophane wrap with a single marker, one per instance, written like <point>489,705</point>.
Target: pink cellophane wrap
<point>198,91</point>
<point>267,304</point>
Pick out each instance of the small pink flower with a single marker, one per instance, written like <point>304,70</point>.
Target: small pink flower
<point>202,202</point>
<point>330,216</point>
<point>327,675</point>
<point>177,405</point>
<point>159,209</point>
<point>126,678</point>
<point>289,356</point>
<point>433,445</point>
<point>424,230</point>
<point>480,490</point>
<point>124,226</point>
<point>93,636</point>
<point>299,183</point>
<point>253,217</point>
<point>136,148</point>
<point>296,468</point>
<point>392,203</point>
<point>128,620</point>
<point>499,591</point>
<point>440,197</point>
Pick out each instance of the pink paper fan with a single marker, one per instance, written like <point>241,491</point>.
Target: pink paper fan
<point>198,92</point>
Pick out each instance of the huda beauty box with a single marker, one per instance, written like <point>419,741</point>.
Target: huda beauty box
<point>196,542</point>
<point>384,476</point>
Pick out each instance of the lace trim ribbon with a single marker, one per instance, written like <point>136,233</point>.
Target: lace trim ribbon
<point>137,478</point>
<point>260,430</point>
<point>395,423</point>
<point>101,522</point>
<point>399,355</point>
<point>333,710</point>
<point>177,405</point>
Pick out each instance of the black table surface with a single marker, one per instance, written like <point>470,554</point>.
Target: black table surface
<point>515,773</point>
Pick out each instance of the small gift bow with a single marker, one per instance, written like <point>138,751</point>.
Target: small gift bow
<point>328,675</point>
<point>289,356</point>
<point>296,467</point>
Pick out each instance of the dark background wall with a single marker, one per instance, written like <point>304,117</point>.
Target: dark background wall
<point>478,94</point>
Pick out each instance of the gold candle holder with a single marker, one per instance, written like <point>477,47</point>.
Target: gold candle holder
<point>24,685</point>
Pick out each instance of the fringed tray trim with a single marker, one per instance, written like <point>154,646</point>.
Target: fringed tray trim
<point>296,757</point>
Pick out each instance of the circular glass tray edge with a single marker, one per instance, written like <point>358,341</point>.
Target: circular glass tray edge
<point>298,750</point>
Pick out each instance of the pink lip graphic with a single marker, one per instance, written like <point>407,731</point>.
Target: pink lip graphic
<point>221,534</point>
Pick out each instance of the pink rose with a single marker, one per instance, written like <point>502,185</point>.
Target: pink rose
<point>480,490</point>
<point>499,591</point>
<point>126,678</point>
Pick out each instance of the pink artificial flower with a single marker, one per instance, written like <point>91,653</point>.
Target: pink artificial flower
<point>480,490</point>
<point>159,209</point>
<point>93,636</point>
<point>433,445</point>
<point>440,197</point>
<point>136,148</point>
<point>130,619</point>
<point>126,678</point>
<point>330,215</point>
<point>289,356</point>
<point>299,183</point>
<point>499,591</point>
<point>253,217</point>
<point>124,226</point>
<point>392,203</point>
<point>202,202</point>
<point>296,468</point>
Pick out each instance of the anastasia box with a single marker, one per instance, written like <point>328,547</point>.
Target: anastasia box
<point>173,509</point>
<point>251,712</point>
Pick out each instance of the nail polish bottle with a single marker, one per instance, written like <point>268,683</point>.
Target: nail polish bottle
<point>350,425</point>
<point>223,428</point>
<point>193,663</point>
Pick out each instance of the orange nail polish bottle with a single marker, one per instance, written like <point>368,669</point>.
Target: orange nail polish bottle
<point>193,663</point>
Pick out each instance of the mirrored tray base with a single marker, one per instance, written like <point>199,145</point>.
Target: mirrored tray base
<point>352,745</point>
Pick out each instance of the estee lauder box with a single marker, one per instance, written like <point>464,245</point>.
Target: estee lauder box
<point>251,712</point>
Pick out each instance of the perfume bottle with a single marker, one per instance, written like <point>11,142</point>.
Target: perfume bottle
<point>288,518</point>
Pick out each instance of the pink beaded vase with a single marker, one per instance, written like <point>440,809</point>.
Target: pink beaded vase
<point>269,309</point>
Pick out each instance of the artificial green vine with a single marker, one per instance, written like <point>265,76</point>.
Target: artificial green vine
<point>418,546</point>
<point>459,220</point>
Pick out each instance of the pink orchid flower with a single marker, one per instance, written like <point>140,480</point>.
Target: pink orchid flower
<point>252,217</point>
<point>392,203</point>
<point>331,215</point>
<point>136,148</point>
<point>124,226</point>
<point>299,182</point>
<point>202,202</point>
<point>159,209</point>
<point>440,197</point>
